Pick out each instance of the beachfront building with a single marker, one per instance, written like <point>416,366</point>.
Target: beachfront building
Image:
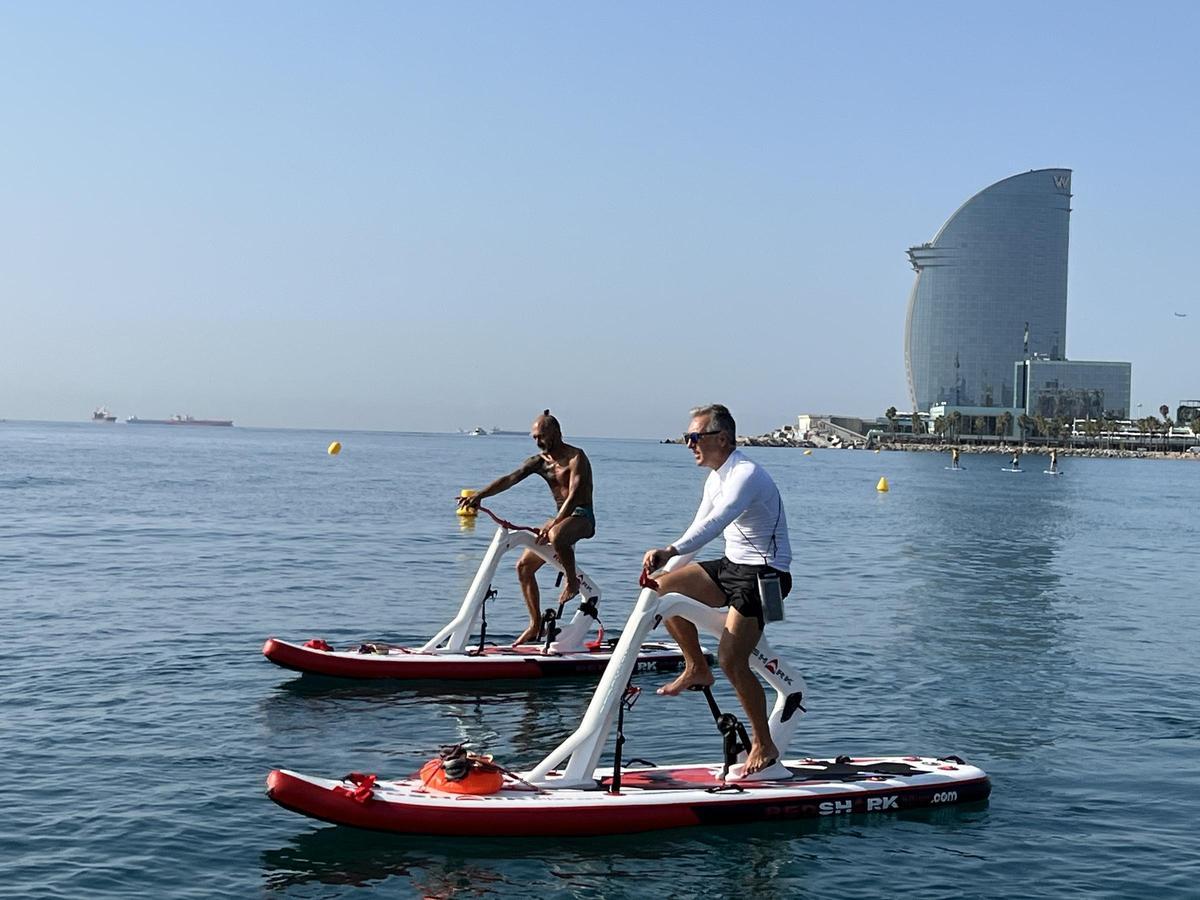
<point>986,331</point>
<point>991,288</point>
<point>973,420</point>
<point>1073,389</point>
<point>818,423</point>
<point>1188,412</point>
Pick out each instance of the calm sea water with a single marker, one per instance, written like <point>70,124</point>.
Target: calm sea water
<point>1043,628</point>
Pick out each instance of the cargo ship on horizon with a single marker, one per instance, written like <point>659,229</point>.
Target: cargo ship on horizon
<point>178,420</point>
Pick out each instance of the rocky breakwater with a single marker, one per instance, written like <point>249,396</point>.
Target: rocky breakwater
<point>789,437</point>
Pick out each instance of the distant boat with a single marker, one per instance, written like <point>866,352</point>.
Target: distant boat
<point>102,414</point>
<point>496,430</point>
<point>1181,315</point>
<point>476,432</point>
<point>178,420</point>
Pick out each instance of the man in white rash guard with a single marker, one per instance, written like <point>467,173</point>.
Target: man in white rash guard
<point>742,502</point>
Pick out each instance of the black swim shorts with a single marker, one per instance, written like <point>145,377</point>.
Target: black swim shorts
<point>739,583</point>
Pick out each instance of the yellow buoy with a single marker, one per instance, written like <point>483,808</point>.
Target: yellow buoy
<point>876,451</point>
<point>808,452</point>
<point>882,487</point>
<point>335,448</point>
<point>467,511</point>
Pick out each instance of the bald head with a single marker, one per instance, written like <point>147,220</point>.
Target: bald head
<point>546,432</point>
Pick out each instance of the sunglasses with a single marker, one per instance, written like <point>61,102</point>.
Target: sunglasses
<point>693,437</point>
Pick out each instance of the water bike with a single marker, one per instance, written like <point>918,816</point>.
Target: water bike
<point>461,794</point>
<point>454,654</point>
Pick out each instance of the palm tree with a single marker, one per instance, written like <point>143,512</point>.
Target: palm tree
<point>1109,425</point>
<point>1059,427</point>
<point>1040,426</point>
<point>955,423</point>
<point>940,425</point>
<point>1003,423</point>
<point>890,415</point>
<point>1143,425</point>
<point>1024,423</point>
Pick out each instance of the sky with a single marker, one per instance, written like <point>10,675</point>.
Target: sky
<point>431,216</point>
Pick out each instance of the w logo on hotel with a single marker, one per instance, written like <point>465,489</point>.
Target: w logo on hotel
<point>1062,182</point>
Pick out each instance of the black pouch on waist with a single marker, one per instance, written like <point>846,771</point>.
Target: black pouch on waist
<point>771,593</point>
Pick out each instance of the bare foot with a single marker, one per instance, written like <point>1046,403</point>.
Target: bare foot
<point>568,592</point>
<point>528,636</point>
<point>761,756</point>
<point>688,678</point>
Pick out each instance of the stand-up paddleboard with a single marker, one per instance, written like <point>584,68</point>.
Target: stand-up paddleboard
<point>956,468</point>
<point>375,660</point>
<point>1017,471</point>
<point>567,794</point>
<point>648,799</point>
<point>460,651</point>
<point>1049,472</point>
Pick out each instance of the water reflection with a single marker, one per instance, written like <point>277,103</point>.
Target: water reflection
<point>985,615</point>
<point>752,860</point>
<point>448,867</point>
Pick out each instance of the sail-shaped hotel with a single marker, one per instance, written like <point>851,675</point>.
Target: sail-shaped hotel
<point>986,329</point>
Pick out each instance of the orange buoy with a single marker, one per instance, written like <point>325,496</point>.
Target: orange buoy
<point>483,777</point>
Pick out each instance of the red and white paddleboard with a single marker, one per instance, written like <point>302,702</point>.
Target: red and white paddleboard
<point>525,661</point>
<point>649,798</point>
<point>452,654</point>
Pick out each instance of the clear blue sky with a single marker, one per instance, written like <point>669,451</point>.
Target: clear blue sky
<point>428,216</point>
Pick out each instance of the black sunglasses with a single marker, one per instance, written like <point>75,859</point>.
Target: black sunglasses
<point>693,437</point>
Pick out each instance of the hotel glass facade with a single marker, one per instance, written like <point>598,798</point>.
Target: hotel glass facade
<point>1073,390</point>
<point>991,289</point>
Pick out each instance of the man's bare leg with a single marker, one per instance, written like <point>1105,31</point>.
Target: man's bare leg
<point>691,581</point>
<point>740,636</point>
<point>563,537</point>
<point>527,567</point>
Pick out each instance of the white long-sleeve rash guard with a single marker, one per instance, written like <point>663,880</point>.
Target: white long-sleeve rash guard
<point>741,500</point>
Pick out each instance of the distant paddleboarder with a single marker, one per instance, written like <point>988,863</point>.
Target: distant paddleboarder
<point>1054,461</point>
<point>1016,460</point>
<point>954,457</point>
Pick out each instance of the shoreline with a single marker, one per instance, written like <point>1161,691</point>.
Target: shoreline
<point>1026,450</point>
<point>997,450</point>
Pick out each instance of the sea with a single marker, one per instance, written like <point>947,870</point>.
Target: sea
<point>1044,628</point>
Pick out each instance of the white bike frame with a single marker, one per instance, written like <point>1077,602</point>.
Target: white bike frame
<point>453,637</point>
<point>582,750</point>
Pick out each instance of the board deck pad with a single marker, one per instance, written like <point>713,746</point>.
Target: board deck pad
<point>705,777</point>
